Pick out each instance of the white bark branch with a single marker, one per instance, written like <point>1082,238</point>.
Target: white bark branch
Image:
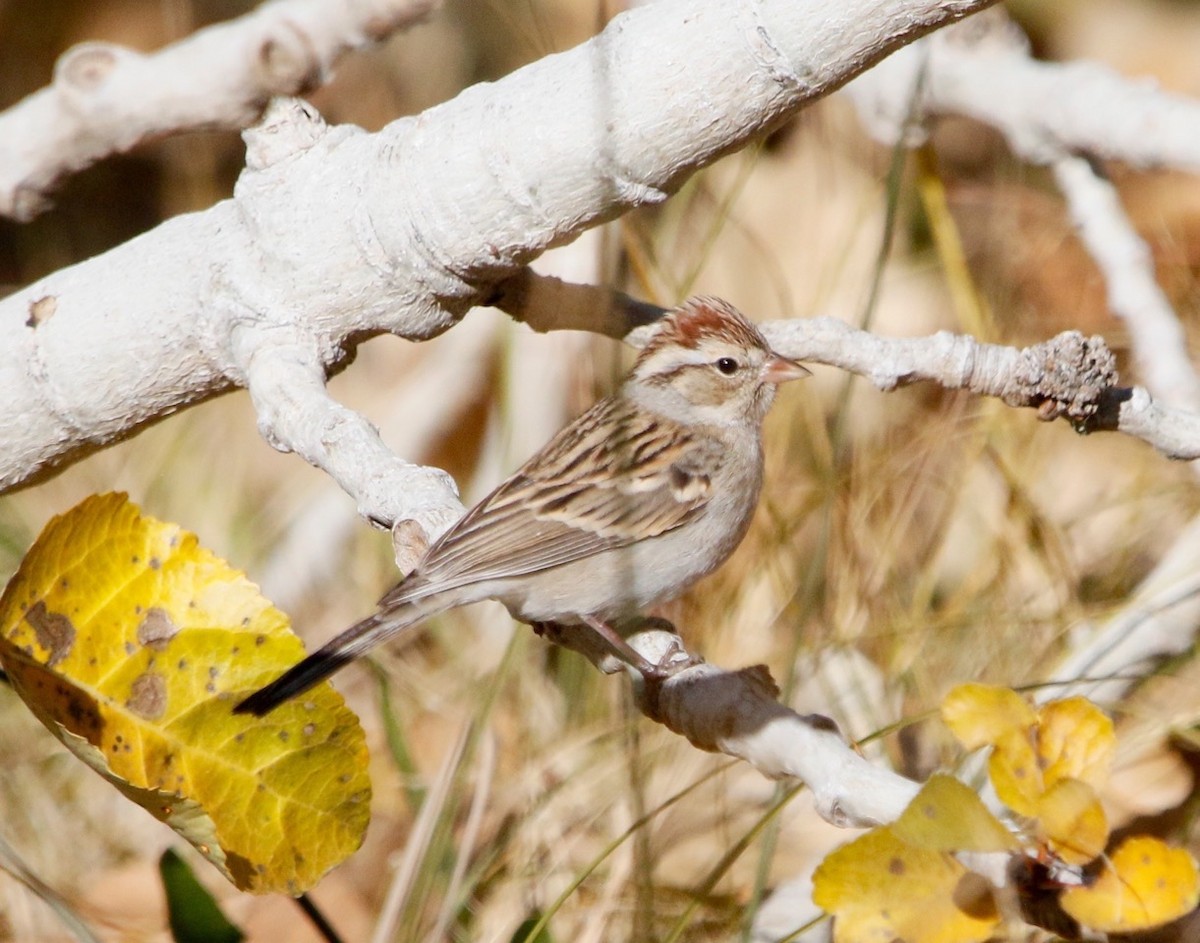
<point>335,235</point>
<point>312,550</point>
<point>1069,376</point>
<point>738,713</point>
<point>983,70</point>
<point>1134,295</point>
<point>106,99</point>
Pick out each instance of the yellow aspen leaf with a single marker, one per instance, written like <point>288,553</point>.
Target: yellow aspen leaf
<point>1076,740</point>
<point>1144,884</point>
<point>1015,772</point>
<point>1072,821</point>
<point>132,643</point>
<point>981,714</point>
<point>881,889</point>
<point>946,815</point>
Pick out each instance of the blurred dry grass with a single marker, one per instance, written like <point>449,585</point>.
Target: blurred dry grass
<point>906,541</point>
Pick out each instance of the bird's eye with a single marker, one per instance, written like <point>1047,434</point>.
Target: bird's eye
<point>728,366</point>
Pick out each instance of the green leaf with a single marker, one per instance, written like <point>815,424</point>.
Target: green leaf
<point>521,935</point>
<point>193,914</point>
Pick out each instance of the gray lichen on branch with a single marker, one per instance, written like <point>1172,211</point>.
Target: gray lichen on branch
<point>1065,376</point>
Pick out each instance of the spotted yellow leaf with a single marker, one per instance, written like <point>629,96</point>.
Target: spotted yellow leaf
<point>880,889</point>
<point>1075,739</point>
<point>1072,821</point>
<point>1144,884</point>
<point>946,815</point>
<point>1031,750</point>
<point>1015,772</point>
<point>980,714</point>
<point>131,642</point>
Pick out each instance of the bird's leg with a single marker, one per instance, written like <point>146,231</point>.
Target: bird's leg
<point>603,645</point>
<point>621,649</point>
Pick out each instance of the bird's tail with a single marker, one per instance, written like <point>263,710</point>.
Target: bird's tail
<point>338,652</point>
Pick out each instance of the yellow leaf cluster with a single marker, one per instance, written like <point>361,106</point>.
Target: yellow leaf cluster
<point>903,881</point>
<point>131,642</point>
<point>1047,766</point>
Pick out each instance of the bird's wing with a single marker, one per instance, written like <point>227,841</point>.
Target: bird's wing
<point>613,477</point>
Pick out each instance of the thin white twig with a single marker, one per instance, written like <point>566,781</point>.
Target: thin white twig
<point>1134,295</point>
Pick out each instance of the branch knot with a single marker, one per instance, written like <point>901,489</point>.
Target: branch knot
<point>1064,376</point>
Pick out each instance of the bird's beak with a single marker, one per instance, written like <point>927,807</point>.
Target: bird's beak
<point>780,369</point>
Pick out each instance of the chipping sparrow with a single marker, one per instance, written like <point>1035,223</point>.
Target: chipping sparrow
<point>630,504</point>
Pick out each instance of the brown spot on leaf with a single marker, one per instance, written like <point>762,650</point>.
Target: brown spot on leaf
<point>54,631</point>
<point>156,629</point>
<point>148,696</point>
<point>155,563</point>
<point>973,896</point>
<point>71,707</point>
<point>241,869</point>
<point>896,866</point>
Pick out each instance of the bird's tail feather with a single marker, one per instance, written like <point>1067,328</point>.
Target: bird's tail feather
<point>336,653</point>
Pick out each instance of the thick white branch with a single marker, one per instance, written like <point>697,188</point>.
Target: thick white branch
<point>334,235</point>
<point>1044,109</point>
<point>106,98</point>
